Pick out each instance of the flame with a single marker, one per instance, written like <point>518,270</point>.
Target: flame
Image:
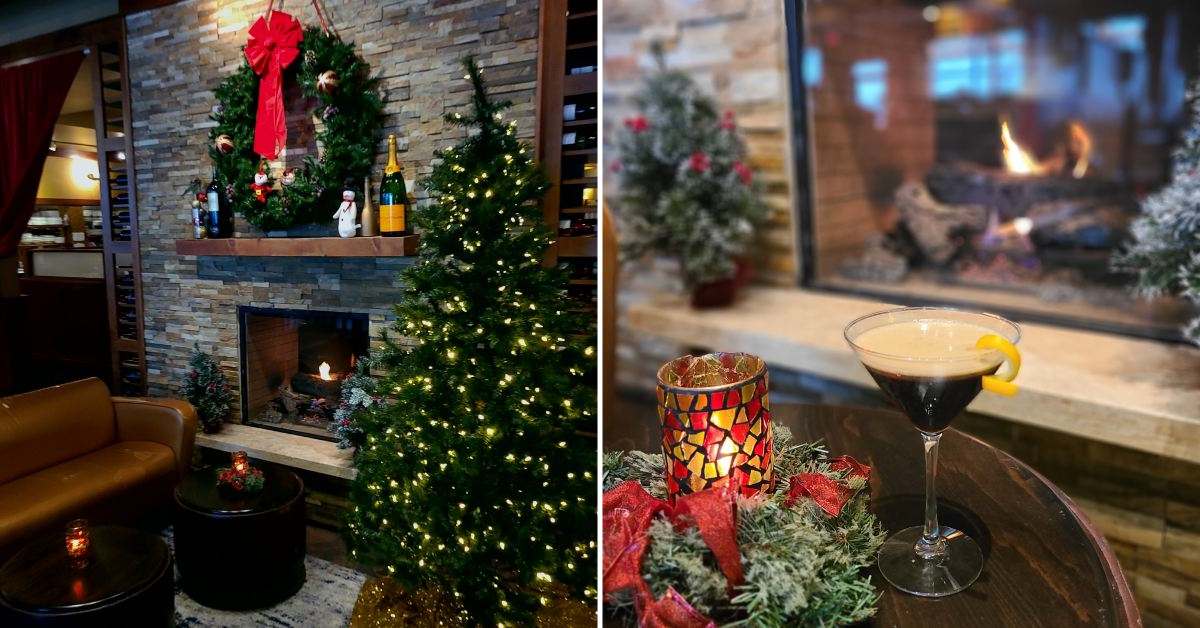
<point>1016,160</point>
<point>324,369</point>
<point>1081,143</point>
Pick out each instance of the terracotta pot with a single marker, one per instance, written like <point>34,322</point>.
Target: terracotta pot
<point>723,292</point>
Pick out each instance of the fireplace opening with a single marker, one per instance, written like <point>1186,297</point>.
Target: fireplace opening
<point>293,364</point>
<point>989,154</point>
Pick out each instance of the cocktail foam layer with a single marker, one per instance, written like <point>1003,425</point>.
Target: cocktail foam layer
<point>927,348</point>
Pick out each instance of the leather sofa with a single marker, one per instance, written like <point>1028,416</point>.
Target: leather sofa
<point>75,451</point>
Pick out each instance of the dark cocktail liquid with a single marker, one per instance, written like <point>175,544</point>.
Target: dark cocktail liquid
<point>931,402</point>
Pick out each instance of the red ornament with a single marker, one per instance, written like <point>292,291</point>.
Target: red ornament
<point>637,124</point>
<point>224,144</point>
<point>699,162</point>
<point>743,172</point>
<point>273,46</point>
<point>727,121</point>
<point>327,81</point>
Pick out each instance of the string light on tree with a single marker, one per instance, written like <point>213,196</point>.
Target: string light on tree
<point>482,353</point>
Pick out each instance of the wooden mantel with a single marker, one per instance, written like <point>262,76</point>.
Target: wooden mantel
<point>377,246</point>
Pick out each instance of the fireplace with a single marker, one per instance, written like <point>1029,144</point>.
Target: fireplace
<point>293,362</point>
<point>989,154</point>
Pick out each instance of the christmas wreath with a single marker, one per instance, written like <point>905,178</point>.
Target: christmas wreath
<point>348,106</point>
<point>797,556</point>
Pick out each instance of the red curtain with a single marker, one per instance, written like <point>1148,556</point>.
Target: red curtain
<point>31,96</point>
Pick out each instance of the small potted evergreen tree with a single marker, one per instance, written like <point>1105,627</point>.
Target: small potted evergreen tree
<point>1165,251</point>
<point>684,188</point>
<point>208,391</point>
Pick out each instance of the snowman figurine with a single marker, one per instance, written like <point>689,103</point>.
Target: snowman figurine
<point>346,214</point>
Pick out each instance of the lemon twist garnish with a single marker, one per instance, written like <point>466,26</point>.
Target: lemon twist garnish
<point>1001,382</point>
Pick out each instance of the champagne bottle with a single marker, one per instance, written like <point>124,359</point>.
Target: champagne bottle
<point>393,197</point>
<point>367,218</point>
<point>220,214</point>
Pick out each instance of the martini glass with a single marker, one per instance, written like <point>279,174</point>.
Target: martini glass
<point>932,362</point>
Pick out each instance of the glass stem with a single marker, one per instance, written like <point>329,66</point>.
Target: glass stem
<point>931,545</point>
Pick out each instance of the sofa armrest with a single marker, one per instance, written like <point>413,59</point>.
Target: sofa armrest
<point>171,422</point>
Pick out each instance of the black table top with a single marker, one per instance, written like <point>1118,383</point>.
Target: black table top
<point>198,491</point>
<point>39,578</point>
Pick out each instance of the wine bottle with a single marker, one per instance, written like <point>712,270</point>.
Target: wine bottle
<point>393,197</point>
<point>575,111</point>
<point>367,217</point>
<point>220,214</point>
<point>574,141</point>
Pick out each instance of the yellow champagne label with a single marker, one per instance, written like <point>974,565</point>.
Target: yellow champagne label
<point>391,218</point>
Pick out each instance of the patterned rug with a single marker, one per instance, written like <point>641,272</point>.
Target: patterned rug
<point>326,600</point>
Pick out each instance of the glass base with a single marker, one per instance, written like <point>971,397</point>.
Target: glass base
<point>947,574</point>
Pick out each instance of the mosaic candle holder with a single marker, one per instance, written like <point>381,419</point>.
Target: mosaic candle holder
<point>716,423</point>
<point>79,543</point>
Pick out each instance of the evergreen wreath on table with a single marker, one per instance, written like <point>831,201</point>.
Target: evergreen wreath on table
<point>802,565</point>
<point>351,111</point>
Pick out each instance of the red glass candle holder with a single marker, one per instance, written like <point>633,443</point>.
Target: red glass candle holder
<point>240,463</point>
<point>716,423</point>
<point>79,543</point>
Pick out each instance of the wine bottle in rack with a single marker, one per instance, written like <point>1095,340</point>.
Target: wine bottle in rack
<point>573,140</point>
<point>574,111</point>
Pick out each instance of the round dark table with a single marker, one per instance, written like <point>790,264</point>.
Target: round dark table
<point>1045,564</point>
<point>240,553</point>
<point>128,582</point>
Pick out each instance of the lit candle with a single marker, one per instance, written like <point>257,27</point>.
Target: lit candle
<point>78,542</point>
<point>324,369</point>
<point>240,465</point>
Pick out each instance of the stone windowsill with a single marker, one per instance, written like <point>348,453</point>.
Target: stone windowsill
<point>1130,392</point>
<point>291,450</point>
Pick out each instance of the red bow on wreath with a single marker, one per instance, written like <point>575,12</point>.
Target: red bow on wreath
<point>628,511</point>
<point>273,46</point>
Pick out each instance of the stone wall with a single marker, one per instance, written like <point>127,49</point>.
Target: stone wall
<point>736,50</point>
<point>179,53</point>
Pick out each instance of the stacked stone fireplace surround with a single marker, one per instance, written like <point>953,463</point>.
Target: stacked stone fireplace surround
<point>179,53</point>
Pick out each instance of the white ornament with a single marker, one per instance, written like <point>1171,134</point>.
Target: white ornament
<point>260,178</point>
<point>289,176</point>
<point>346,214</point>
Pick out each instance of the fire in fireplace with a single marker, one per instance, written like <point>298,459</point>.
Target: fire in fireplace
<point>293,363</point>
<point>995,152</point>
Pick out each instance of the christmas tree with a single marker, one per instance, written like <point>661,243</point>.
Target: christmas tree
<point>208,391</point>
<point>685,188</point>
<point>477,473</point>
<point>1165,252</point>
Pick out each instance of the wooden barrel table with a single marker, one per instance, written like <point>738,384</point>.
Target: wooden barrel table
<point>1045,564</point>
<point>240,553</point>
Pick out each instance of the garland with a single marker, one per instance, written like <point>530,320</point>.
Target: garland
<point>351,114</point>
<point>801,565</point>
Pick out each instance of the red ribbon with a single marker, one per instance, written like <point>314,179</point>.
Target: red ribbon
<point>673,611</point>
<point>830,495</point>
<point>628,511</point>
<point>273,46</point>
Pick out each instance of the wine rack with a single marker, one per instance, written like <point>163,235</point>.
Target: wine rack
<point>118,207</point>
<point>568,139</point>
